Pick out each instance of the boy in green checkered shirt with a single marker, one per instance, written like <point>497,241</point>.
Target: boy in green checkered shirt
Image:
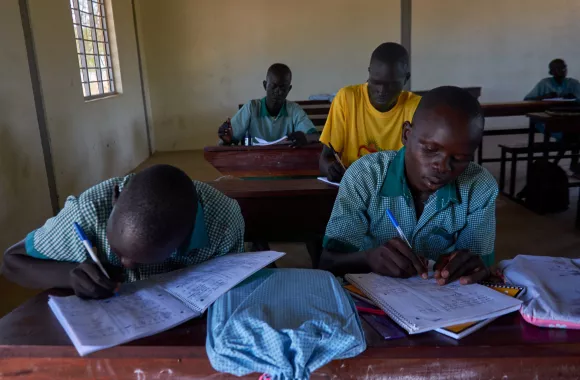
<point>444,203</point>
<point>152,222</point>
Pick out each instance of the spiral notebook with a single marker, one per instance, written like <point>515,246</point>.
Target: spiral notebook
<point>151,306</point>
<point>419,305</point>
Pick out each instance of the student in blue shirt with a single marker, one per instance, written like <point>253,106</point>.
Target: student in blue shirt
<point>443,201</point>
<point>556,86</point>
<point>271,117</point>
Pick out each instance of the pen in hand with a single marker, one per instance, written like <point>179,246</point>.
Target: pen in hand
<point>336,156</point>
<point>404,238</point>
<point>89,247</point>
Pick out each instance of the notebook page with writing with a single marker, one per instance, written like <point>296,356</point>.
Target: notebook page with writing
<point>148,307</point>
<point>136,312</point>
<point>201,285</point>
<point>420,305</point>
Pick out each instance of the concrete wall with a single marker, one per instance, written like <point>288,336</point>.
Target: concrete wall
<point>91,141</point>
<point>205,57</point>
<point>24,197</point>
<point>503,46</point>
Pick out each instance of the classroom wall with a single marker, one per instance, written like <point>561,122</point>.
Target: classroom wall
<point>23,183</point>
<point>503,46</point>
<point>91,141</point>
<point>205,57</point>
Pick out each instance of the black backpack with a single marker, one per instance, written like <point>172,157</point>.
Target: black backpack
<point>547,188</point>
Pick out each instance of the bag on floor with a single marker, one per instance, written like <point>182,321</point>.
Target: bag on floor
<point>547,188</point>
<point>285,323</point>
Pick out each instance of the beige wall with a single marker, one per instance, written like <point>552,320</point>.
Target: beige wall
<point>91,141</point>
<point>23,184</point>
<point>205,57</point>
<point>503,46</point>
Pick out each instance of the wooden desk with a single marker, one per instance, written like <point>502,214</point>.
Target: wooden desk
<point>265,161</point>
<point>289,210</point>
<point>512,109</point>
<point>34,346</point>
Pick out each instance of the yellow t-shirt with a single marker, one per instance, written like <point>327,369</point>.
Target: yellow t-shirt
<point>355,128</point>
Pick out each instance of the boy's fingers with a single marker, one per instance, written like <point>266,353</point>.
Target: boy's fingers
<point>479,275</point>
<point>456,262</point>
<point>404,249</point>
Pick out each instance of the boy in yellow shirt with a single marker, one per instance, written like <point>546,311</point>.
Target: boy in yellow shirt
<point>369,117</point>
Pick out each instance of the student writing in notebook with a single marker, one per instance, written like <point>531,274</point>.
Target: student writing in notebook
<point>369,117</point>
<point>271,117</point>
<point>443,201</point>
<point>143,224</point>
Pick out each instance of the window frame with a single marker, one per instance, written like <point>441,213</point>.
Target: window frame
<point>101,68</point>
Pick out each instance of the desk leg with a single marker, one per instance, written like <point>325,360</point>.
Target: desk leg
<point>546,142</point>
<point>531,135</point>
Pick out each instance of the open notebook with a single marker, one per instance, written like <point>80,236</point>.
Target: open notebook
<point>148,307</point>
<point>419,305</point>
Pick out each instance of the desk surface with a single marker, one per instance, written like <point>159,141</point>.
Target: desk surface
<point>31,339</point>
<point>519,108</point>
<point>265,161</point>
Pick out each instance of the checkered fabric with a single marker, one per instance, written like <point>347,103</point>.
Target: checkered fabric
<point>57,240</point>
<point>460,215</point>
<point>285,323</point>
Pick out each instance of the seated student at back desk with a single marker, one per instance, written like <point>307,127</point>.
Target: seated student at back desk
<point>271,117</point>
<point>143,224</point>
<point>444,202</point>
<point>558,86</point>
<point>367,118</point>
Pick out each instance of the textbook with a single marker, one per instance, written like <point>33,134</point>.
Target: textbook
<point>148,307</point>
<point>419,305</point>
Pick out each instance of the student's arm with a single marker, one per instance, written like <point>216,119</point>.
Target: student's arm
<point>241,122</point>
<point>334,133</point>
<point>54,257</point>
<point>348,226</point>
<point>304,131</point>
<point>540,92</point>
<point>232,239</point>
<point>475,243</point>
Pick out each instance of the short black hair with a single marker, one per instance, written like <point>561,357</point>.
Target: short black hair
<point>391,52</point>
<point>457,99</point>
<point>157,203</point>
<point>279,69</point>
<point>555,61</point>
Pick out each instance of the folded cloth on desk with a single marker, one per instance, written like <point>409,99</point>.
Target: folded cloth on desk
<point>328,97</point>
<point>552,297</point>
<point>283,322</point>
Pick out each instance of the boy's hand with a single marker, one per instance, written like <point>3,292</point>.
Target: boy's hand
<point>298,139</point>
<point>225,132</point>
<point>463,265</point>
<point>550,95</point>
<point>89,282</point>
<point>335,172</point>
<point>395,259</point>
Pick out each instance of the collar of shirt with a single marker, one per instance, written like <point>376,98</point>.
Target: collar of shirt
<point>395,185</point>
<point>199,237</point>
<point>264,110</point>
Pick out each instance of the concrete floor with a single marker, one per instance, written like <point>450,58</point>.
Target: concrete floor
<point>519,231</point>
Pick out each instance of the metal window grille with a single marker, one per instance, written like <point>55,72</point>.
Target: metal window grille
<point>93,48</point>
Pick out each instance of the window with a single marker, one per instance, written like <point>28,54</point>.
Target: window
<point>93,48</point>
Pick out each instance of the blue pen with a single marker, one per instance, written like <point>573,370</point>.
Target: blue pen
<point>398,228</point>
<point>89,247</point>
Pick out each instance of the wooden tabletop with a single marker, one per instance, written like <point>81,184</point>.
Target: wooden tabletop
<point>265,161</point>
<point>288,210</point>
<point>519,108</point>
<point>34,345</point>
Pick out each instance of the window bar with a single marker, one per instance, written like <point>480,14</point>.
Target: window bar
<point>96,46</point>
<point>81,52</point>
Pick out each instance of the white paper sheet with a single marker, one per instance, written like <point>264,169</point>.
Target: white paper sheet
<point>326,180</point>
<point>422,305</point>
<point>148,307</point>
<point>261,142</point>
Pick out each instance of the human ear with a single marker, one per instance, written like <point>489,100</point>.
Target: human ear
<point>407,128</point>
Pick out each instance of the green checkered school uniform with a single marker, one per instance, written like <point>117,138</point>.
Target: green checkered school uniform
<point>219,229</point>
<point>460,215</point>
